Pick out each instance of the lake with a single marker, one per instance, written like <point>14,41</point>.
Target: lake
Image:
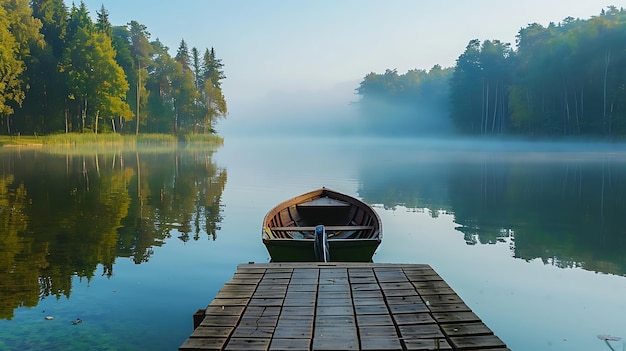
<point>120,247</point>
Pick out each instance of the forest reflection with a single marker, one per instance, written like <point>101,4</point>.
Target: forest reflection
<point>565,209</point>
<point>64,213</point>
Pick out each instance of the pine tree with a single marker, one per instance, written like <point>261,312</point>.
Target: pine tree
<point>213,68</point>
<point>197,67</point>
<point>213,99</point>
<point>103,23</point>
<point>182,55</point>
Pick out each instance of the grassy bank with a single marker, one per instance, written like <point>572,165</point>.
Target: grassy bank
<point>76,139</point>
<point>21,140</point>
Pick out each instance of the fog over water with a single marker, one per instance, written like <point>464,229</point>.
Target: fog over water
<point>295,112</point>
<point>331,113</point>
<point>336,114</point>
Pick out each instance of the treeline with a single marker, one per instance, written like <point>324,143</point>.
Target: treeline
<point>62,72</point>
<point>412,103</point>
<point>566,79</point>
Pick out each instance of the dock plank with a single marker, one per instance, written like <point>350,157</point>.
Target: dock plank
<point>338,306</point>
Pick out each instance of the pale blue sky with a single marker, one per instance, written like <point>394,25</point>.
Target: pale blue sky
<point>322,48</point>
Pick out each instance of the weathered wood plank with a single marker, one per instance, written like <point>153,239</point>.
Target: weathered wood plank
<point>343,343</point>
<point>212,332</point>
<point>454,317</point>
<point>217,301</point>
<point>207,344</point>
<point>428,344</point>
<point>424,331</point>
<point>224,310</point>
<point>458,329</point>
<point>375,309</point>
<point>374,319</point>
<point>279,344</point>
<point>304,286</point>
<point>219,321</point>
<point>247,344</point>
<point>477,342</point>
<point>378,343</point>
<point>381,331</point>
<point>261,321</point>
<point>414,318</point>
<point>298,311</point>
<point>442,299</point>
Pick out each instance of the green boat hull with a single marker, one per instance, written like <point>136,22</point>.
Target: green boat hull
<point>294,250</point>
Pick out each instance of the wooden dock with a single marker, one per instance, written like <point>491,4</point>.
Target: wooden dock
<point>338,306</point>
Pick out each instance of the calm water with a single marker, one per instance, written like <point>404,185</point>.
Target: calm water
<point>531,236</point>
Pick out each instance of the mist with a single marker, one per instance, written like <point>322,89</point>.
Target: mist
<point>383,118</point>
<point>297,112</point>
<point>332,112</point>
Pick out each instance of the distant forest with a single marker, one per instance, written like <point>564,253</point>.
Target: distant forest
<point>566,79</point>
<point>62,72</point>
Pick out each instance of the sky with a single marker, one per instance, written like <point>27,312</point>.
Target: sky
<point>285,57</point>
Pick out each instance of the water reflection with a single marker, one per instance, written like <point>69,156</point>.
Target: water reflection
<point>64,214</point>
<point>563,208</point>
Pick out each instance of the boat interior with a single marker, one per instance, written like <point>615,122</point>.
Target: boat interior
<point>340,219</point>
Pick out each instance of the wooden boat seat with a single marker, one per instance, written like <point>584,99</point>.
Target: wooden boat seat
<point>324,202</point>
<point>329,228</point>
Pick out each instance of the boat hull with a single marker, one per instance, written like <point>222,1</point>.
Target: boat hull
<point>293,250</point>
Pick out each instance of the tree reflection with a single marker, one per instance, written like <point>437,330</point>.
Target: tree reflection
<point>20,262</point>
<point>566,210</point>
<point>64,215</point>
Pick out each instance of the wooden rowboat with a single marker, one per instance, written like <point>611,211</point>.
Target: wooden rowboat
<point>350,227</point>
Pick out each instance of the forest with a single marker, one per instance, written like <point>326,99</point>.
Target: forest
<point>61,72</point>
<point>564,80</point>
